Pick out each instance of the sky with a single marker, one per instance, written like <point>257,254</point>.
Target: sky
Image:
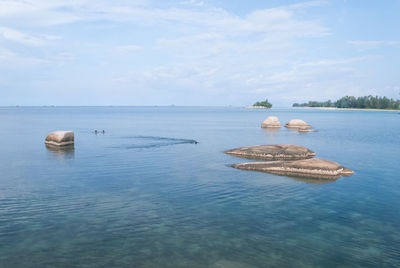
<point>196,52</point>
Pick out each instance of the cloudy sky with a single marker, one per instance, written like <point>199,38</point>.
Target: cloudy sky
<point>196,52</point>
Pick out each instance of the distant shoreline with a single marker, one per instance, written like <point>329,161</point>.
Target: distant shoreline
<point>184,106</point>
<point>349,109</point>
<point>256,107</point>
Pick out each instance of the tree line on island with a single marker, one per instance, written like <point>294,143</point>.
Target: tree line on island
<point>264,104</point>
<point>365,102</point>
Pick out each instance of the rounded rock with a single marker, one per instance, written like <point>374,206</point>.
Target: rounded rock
<point>60,138</point>
<point>297,123</point>
<point>271,122</point>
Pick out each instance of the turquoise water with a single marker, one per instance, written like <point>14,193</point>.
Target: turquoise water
<point>145,195</point>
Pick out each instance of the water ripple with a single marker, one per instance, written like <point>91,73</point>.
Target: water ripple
<point>146,142</point>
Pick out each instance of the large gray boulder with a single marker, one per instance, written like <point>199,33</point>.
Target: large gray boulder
<point>271,122</point>
<point>297,123</point>
<point>273,152</point>
<point>313,168</point>
<point>60,138</point>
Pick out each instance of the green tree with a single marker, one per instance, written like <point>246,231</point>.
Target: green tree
<point>265,104</point>
<point>365,102</point>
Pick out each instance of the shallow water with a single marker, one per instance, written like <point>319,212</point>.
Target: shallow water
<point>145,195</point>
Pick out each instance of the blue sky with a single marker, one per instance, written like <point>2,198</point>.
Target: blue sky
<point>192,52</point>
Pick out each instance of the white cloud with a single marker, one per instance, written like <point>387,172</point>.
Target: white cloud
<point>127,49</point>
<point>315,3</point>
<point>46,12</point>
<point>192,48</point>
<point>40,12</point>
<point>193,3</point>
<point>329,62</point>
<point>11,59</point>
<point>362,44</point>
<point>17,36</point>
<point>215,31</point>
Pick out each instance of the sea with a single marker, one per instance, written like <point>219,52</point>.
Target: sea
<point>157,190</point>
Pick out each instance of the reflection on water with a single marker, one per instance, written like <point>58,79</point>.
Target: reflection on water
<point>60,153</point>
<point>272,131</point>
<point>311,180</point>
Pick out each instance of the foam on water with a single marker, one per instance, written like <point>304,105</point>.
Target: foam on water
<point>143,142</point>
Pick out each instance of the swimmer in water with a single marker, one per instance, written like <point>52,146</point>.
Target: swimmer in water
<point>95,132</point>
<point>103,131</point>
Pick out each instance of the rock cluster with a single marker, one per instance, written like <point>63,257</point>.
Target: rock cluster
<point>60,138</point>
<point>289,160</point>
<point>272,122</point>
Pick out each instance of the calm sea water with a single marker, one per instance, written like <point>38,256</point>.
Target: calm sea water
<point>143,195</point>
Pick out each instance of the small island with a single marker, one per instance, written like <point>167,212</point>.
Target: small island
<point>351,102</point>
<point>262,104</point>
